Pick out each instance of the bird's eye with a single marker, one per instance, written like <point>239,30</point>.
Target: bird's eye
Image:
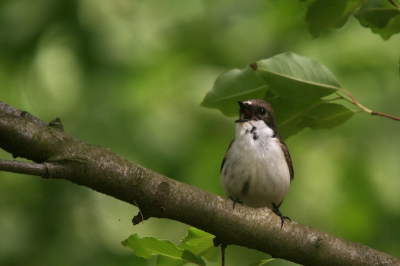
<point>261,111</point>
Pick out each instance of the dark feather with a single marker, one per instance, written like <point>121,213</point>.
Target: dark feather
<point>245,187</point>
<point>223,161</point>
<point>288,159</point>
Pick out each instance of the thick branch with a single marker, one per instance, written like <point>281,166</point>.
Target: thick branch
<point>60,156</point>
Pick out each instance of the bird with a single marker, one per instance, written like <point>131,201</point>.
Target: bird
<point>257,169</point>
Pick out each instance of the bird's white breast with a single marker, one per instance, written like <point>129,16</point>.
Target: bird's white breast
<point>255,170</point>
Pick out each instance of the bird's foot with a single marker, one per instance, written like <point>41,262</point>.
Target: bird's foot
<point>235,201</point>
<point>276,210</point>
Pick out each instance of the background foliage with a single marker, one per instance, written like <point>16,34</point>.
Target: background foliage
<point>130,75</point>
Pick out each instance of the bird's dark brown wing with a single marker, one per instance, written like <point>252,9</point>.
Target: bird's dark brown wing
<point>288,159</point>
<point>223,161</point>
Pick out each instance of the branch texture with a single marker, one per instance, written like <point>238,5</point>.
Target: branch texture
<point>60,156</point>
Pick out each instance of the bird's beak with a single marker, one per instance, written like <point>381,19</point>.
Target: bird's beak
<point>245,113</point>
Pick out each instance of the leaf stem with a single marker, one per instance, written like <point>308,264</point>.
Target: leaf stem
<point>353,100</point>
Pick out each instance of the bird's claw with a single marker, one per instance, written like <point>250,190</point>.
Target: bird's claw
<point>235,201</point>
<point>276,210</point>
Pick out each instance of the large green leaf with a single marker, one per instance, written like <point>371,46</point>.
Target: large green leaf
<point>288,114</point>
<point>297,78</point>
<point>234,85</point>
<point>293,117</point>
<point>381,16</point>
<point>324,14</point>
<point>325,115</point>
<point>149,246</point>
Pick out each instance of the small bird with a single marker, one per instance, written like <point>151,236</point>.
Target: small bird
<point>257,169</point>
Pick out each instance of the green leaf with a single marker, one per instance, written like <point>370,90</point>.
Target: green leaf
<point>288,114</point>
<point>293,117</point>
<point>381,16</point>
<point>326,115</point>
<point>149,246</point>
<point>234,85</point>
<point>296,88</point>
<point>391,28</point>
<point>261,262</point>
<point>199,243</point>
<point>297,78</point>
<point>196,236</point>
<point>376,13</point>
<point>324,14</point>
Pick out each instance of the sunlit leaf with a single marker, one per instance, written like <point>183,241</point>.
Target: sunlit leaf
<point>324,14</point>
<point>149,246</point>
<point>169,261</point>
<point>261,262</point>
<point>199,243</point>
<point>234,85</point>
<point>297,78</point>
<point>196,236</point>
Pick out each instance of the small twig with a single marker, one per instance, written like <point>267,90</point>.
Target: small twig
<point>363,108</point>
<point>386,115</point>
<point>216,243</point>
<point>353,101</point>
<point>22,167</point>
<point>141,214</point>
<point>223,247</point>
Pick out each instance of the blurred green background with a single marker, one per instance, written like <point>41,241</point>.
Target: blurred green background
<point>129,75</point>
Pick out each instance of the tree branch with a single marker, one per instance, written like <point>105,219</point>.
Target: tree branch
<point>60,156</point>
